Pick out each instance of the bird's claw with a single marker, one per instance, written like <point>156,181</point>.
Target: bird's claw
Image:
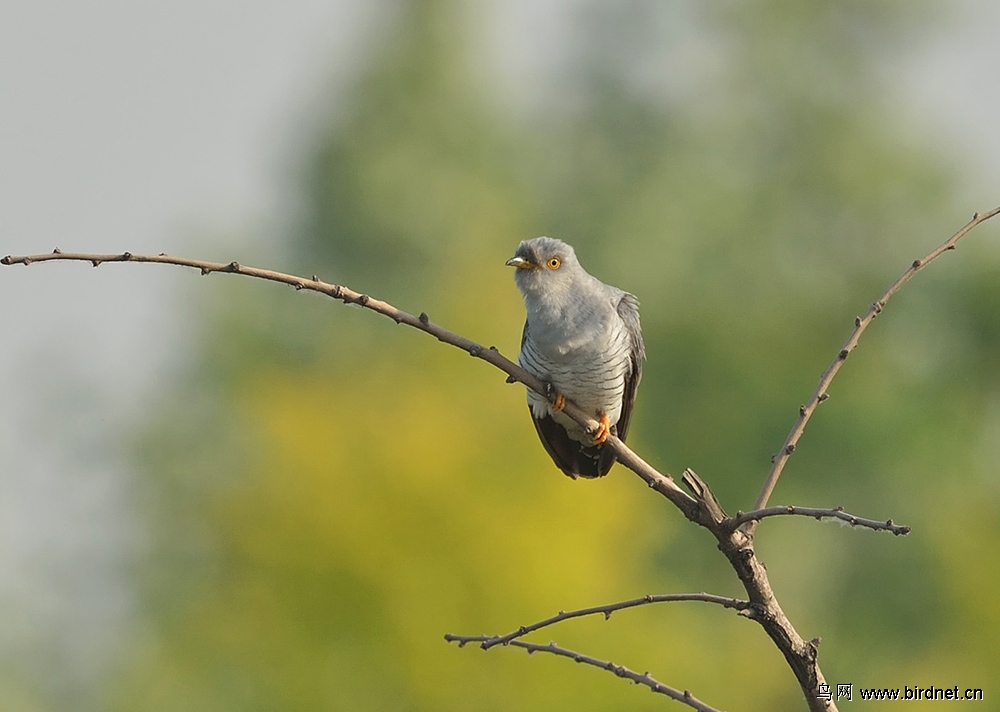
<point>558,400</point>
<point>603,429</point>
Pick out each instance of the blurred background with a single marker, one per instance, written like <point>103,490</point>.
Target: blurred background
<point>219,494</point>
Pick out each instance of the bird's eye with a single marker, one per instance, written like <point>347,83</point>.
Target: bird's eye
<point>554,263</point>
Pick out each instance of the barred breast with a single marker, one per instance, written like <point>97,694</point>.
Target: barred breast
<point>592,375</point>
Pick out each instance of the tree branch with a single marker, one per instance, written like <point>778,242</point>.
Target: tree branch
<point>701,507</point>
<point>608,609</point>
<point>860,324</point>
<point>662,483</point>
<point>756,515</point>
<point>619,670</point>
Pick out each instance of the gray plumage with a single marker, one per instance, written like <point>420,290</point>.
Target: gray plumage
<point>583,337</point>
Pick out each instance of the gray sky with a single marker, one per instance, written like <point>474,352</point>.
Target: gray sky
<point>123,126</point>
<point>146,127</point>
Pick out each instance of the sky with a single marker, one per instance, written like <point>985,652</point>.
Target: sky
<point>176,128</point>
<point>124,126</point>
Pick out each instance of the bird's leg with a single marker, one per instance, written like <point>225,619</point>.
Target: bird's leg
<point>558,400</point>
<point>603,429</point>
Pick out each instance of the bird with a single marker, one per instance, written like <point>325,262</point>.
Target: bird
<point>582,338</point>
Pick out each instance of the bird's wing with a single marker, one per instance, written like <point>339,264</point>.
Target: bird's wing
<point>571,456</point>
<point>628,310</point>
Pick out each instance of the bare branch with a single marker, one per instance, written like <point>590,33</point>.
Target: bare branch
<point>662,483</point>
<point>701,507</point>
<point>860,324</point>
<point>607,609</point>
<point>619,670</point>
<point>756,515</point>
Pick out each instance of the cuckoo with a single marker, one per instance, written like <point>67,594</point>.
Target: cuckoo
<point>582,338</point>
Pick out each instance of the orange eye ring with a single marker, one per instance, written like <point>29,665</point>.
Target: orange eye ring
<point>553,263</point>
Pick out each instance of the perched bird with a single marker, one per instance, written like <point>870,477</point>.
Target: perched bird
<point>581,337</point>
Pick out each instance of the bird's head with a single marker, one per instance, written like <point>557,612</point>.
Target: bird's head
<point>544,266</point>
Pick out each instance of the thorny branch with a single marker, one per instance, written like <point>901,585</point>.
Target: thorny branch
<point>619,670</point>
<point>860,324</point>
<point>756,515</point>
<point>662,483</point>
<point>734,534</point>
<point>606,610</point>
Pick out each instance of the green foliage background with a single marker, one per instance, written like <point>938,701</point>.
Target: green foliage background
<point>329,494</point>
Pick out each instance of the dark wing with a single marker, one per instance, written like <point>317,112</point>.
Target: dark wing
<point>571,456</point>
<point>628,310</point>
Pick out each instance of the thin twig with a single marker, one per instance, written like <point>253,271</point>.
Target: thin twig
<point>607,609</point>
<point>860,324</point>
<point>621,671</point>
<point>756,515</point>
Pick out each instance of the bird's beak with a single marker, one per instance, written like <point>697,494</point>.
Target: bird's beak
<point>519,262</point>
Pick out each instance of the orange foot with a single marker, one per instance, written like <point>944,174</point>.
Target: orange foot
<point>557,400</point>
<point>603,429</point>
